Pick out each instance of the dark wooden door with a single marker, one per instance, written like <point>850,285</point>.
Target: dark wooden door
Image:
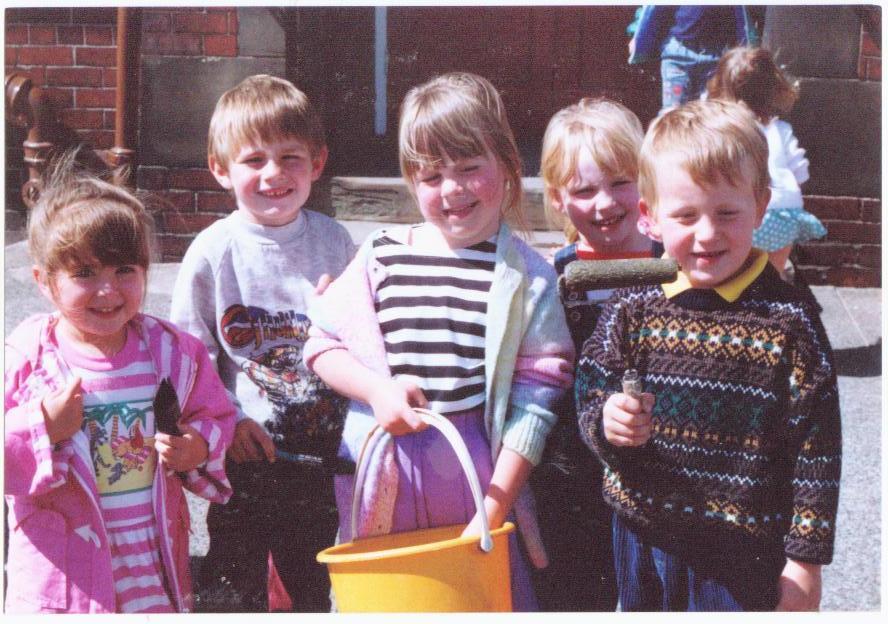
<point>541,59</point>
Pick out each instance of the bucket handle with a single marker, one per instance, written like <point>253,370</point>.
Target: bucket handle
<point>462,453</point>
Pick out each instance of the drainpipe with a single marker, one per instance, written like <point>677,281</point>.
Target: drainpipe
<point>120,155</point>
<point>380,69</point>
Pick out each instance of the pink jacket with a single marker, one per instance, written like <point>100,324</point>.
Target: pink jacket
<point>59,560</point>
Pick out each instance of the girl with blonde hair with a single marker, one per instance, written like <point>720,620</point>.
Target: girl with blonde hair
<point>455,314</point>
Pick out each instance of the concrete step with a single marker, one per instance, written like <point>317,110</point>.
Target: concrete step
<point>387,200</point>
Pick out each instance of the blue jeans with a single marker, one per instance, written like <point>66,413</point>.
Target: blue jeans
<point>684,72</point>
<point>650,579</point>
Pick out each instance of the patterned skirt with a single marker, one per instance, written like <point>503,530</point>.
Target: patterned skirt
<point>787,226</point>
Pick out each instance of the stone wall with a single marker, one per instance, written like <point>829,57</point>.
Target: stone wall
<point>835,54</point>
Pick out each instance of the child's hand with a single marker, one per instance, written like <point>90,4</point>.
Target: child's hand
<point>473,528</point>
<point>495,518</point>
<point>799,586</point>
<point>323,281</point>
<point>627,421</point>
<point>182,452</point>
<point>63,411</point>
<point>251,443</point>
<point>393,404</point>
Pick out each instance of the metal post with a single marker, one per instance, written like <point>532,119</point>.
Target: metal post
<point>380,69</point>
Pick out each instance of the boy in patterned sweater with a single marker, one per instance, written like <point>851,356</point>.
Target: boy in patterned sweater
<point>724,474</point>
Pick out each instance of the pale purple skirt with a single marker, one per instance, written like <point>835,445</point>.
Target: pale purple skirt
<point>433,492</point>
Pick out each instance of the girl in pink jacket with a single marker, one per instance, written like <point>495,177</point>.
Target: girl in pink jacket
<point>109,414</point>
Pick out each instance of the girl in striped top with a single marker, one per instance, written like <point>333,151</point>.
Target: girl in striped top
<point>97,515</point>
<point>456,314</point>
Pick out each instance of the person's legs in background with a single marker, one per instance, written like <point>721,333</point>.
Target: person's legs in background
<point>684,73</point>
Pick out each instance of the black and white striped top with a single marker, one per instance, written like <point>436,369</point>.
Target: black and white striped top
<point>432,310</point>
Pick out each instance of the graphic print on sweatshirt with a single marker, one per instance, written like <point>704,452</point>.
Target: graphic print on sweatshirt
<point>307,416</point>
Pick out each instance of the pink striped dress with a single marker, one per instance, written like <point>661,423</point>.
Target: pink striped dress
<point>118,420</point>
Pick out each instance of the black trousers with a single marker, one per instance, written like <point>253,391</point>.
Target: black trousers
<point>282,508</point>
<point>575,524</point>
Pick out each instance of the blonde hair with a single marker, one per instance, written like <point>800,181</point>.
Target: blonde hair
<point>751,76</point>
<point>712,140</point>
<point>459,115</point>
<point>262,109</point>
<point>80,216</point>
<point>610,131</point>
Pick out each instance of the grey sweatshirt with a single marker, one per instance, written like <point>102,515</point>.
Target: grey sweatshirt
<point>243,289</point>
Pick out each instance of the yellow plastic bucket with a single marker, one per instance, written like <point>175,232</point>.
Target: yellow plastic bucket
<point>427,570</point>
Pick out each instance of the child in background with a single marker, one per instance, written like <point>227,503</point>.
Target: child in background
<point>455,314</point>
<point>749,75</point>
<point>589,167</point>
<point>243,288</point>
<point>97,515</point>
<point>724,474</point>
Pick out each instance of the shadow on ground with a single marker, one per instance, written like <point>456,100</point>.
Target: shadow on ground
<point>859,361</point>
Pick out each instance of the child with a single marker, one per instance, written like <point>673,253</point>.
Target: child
<point>724,474</point>
<point>456,314</point>
<point>243,288</point>
<point>97,515</point>
<point>589,167</point>
<point>749,75</point>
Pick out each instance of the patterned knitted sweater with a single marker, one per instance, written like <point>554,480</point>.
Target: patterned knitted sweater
<point>745,453</point>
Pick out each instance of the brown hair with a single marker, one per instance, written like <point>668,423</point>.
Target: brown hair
<point>610,131</point>
<point>264,109</point>
<point>459,115</point>
<point>751,76</point>
<point>80,216</point>
<point>711,140</point>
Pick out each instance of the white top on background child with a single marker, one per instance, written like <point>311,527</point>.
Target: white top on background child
<point>109,413</point>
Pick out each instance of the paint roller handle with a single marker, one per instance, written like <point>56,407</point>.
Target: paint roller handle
<point>632,383</point>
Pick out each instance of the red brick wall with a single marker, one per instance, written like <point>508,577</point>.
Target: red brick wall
<point>851,252</point>
<point>72,54</point>
<point>189,32</point>
<point>187,200</point>
<point>869,64</point>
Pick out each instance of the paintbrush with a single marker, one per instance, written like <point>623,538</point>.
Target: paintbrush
<point>166,409</point>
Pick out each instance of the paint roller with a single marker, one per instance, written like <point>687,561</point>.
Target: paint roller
<point>599,274</point>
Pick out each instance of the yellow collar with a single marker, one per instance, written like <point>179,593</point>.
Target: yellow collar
<point>730,290</point>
